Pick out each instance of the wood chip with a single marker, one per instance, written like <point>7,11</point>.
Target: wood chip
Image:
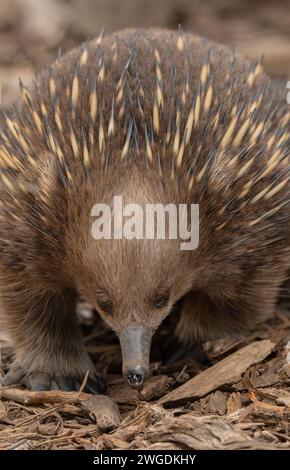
<point>107,441</point>
<point>200,433</point>
<point>284,401</point>
<point>234,403</point>
<point>121,393</point>
<point>270,377</point>
<point>217,403</point>
<point>156,387</point>
<point>27,397</point>
<point>227,371</point>
<point>104,410</point>
<point>282,397</point>
<point>284,372</point>
<point>3,411</point>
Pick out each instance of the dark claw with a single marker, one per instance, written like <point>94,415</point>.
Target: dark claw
<point>95,384</point>
<point>77,385</point>
<point>39,381</point>
<point>42,381</point>
<point>14,376</point>
<point>67,384</point>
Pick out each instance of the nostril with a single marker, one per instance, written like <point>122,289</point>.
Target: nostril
<point>136,376</point>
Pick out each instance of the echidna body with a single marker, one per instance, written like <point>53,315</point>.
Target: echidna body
<point>157,117</point>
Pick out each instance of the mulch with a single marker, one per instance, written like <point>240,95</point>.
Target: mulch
<point>232,394</point>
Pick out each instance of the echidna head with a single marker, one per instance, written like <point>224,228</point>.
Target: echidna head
<point>133,283</point>
<point>134,287</point>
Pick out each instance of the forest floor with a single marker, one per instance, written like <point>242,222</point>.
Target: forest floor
<point>231,394</point>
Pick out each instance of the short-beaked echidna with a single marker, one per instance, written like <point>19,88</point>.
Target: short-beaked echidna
<point>157,117</point>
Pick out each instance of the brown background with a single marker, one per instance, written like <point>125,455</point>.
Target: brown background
<point>32,31</point>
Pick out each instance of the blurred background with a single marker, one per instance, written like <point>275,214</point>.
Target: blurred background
<point>32,31</point>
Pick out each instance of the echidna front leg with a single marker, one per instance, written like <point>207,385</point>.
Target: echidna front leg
<point>204,318</point>
<point>196,310</point>
<point>49,353</point>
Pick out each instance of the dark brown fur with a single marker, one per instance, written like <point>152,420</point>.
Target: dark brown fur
<point>48,256</point>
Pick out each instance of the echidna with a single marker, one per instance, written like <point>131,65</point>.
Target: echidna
<point>157,117</point>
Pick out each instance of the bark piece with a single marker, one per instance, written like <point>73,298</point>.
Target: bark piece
<point>27,397</point>
<point>217,403</point>
<point>227,371</point>
<point>200,433</point>
<point>234,403</point>
<point>156,387</point>
<point>104,410</point>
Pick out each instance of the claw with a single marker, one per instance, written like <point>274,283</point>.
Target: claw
<point>67,384</point>
<point>95,384</point>
<point>14,376</point>
<point>39,381</point>
<point>42,381</point>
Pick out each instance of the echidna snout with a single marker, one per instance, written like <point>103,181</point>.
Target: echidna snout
<point>135,346</point>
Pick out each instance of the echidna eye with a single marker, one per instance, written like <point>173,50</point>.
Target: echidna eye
<point>105,306</point>
<point>161,300</point>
